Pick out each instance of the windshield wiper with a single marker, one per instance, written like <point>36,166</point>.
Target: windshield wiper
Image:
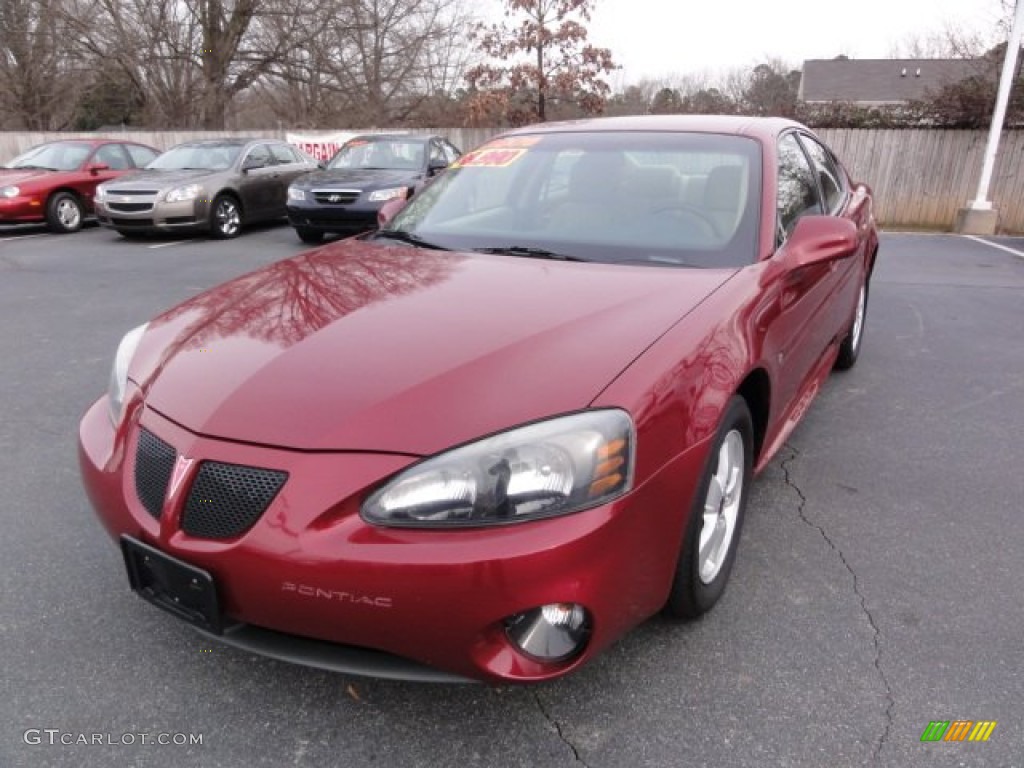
<point>530,253</point>
<point>406,237</point>
<point>29,168</point>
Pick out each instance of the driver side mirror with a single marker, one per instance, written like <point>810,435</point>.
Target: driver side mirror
<point>95,168</point>
<point>251,164</point>
<point>819,240</point>
<point>389,210</point>
<point>434,167</point>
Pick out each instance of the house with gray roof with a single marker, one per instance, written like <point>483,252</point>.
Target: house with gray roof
<point>882,82</point>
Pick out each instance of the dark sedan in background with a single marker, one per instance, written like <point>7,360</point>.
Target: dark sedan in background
<point>214,186</point>
<point>367,172</point>
<point>55,182</point>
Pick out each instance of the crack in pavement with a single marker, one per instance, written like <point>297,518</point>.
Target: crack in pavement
<point>558,729</point>
<point>802,511</point>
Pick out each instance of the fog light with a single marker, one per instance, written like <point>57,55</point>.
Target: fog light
<point>554,632</point>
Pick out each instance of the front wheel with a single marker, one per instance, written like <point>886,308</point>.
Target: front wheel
<point>307,235</point>
<point>225,217</point>
<point>64,213</point>
<point>716,516</point>
<point>849,350</point>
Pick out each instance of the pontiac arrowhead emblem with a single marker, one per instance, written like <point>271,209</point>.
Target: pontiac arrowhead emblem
<point>181,468</point>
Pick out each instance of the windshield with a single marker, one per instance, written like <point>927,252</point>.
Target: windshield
<point>59,156</point>
<point>205,157</point>
<point>680,199</point>
<point>383,154</point>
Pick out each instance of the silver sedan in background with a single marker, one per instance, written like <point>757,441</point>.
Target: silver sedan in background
<point>214,186</point>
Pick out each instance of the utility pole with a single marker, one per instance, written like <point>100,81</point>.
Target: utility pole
<point>979,217</point>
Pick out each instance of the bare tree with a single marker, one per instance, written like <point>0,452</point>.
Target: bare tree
<point>37,73</point>
<point>191,58</point>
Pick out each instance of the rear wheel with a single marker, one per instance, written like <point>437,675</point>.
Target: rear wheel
<point>308,235</point>
<point>64,213</point>
<point>225,217</point>
<point>716,516</point>
<point>849,350</point>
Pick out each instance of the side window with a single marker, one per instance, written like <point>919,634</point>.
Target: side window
<point>141,156</point>
<point>112,156</point>
<point>828,174</point>
<point>437,156</point>
<point>450,152</point>
<point>258,157</point>
<point>282,154</point>
<point>797,192</point>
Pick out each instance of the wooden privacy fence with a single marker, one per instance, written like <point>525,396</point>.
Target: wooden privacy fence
<point>920,176</point>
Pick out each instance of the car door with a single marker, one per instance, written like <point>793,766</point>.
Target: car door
<point>106,162</point>
<point>836,198</point>
<point>258,183</point>
<point>801,328</point>
<point>289,167</point>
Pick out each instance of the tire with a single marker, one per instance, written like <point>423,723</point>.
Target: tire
<point>311,236</point>
<point>700,581</point>
<point>225,217</point>
<point>64,213</point>
<point>849,350</point>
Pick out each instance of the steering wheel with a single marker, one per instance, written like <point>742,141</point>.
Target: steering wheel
<point>691,210</point>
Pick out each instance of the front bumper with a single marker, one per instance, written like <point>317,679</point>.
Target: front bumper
<point>21,210</point>
<point>188,216</point>
<point>312,582</point>
<point>349,219</point>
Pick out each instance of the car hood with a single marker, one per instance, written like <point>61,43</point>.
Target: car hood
<point>160,179</point>
<point>357,346</point>
<point>359,178</point>
<point>9,176</point>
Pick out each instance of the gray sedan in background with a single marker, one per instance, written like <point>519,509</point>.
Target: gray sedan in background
<point>214,186</point>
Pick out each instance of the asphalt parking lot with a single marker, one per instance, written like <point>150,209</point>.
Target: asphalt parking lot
<point>878,585</point>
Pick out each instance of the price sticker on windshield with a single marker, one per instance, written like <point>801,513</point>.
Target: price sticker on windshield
<point>489,157</point>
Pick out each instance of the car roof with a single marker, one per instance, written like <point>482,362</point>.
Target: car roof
<point>392,136</point>
<point>763,128</point>
<point>228,141</point>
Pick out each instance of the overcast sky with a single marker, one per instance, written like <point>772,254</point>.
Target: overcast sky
<point>653,38</point>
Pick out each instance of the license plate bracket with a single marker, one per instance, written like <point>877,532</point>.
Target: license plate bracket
<point>172,584</point>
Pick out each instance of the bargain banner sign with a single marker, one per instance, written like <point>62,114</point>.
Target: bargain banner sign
<point>320,146</point>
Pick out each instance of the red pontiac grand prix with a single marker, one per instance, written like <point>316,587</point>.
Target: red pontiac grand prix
<point>519,419</point>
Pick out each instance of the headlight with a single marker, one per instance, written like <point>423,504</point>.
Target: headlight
<point>100,195</point>
<point>545,469</point>
<point>119,373</point>
<point>184,194</point>
<point>296,194</point>
<point>9,191</point>
<point>388,194</point>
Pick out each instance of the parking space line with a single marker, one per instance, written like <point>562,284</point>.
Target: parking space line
<point>22,237</point>
<point>1008,249</point>
<point>167,245</point>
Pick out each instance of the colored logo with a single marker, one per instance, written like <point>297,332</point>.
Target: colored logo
<point>958,730</point>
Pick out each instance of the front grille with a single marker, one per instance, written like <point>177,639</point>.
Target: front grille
<point>336,196</point>
<point>154,462</point>
<point>134,192</point>
<point>130,207</point>
<point>180,220</point>
<point>226,500</point>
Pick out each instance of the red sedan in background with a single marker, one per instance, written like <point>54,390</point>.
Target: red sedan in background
<point>490,438</point>
<point>55,182</point>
